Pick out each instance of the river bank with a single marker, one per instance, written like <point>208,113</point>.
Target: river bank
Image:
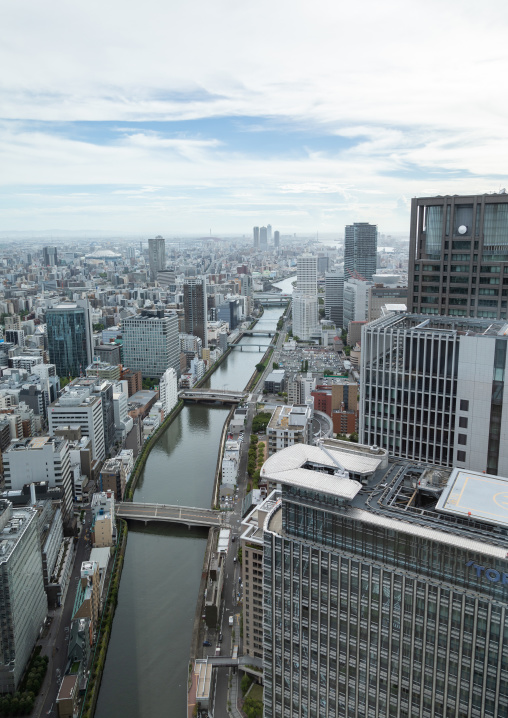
<point>146,667</point>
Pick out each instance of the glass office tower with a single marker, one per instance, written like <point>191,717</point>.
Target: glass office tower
<point>386,593</point>
<point>70,337</point>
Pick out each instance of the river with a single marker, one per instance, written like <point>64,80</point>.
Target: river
<point>146,667</point>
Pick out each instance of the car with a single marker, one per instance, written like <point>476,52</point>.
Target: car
<point>206,643</point>
<point>233,539</point>
<point>220,637</point>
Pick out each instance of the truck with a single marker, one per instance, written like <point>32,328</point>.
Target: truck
<point>231,620</point>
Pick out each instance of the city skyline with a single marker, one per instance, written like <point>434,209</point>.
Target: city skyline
<point>114,121</point>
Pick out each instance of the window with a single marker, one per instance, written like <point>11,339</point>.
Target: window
<point>462,439</point>
<point>463,422</point>
<point>464,404</point>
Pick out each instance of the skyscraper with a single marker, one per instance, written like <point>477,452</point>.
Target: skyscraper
<point>23,601</point>
<point>384,587</point>
<point>70,337</point>
<point>432,389</point>
<point>263,238</point>
<point>276,239</point>
<point>458,255</point>
<point>49,256</point>
<point>255,232</point>
<point>305,299</point>
<point>196,308</point>
<point>151,344</point>
<point>156,255</point>
<point>334,297</point>
<point>360,249</point>
<point>269,232</point>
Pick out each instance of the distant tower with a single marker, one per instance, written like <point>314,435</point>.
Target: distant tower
<point>276,239</point>
<point>269,232</point>
<point>256,236</point>
<point>49,256</point>
<point>195,308</point>
<point>263,238</point>
<point>156,255</point>
<point>360,249</point>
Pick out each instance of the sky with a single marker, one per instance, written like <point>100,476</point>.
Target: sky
<point>174,118</point>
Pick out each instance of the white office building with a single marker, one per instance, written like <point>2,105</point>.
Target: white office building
<point>23,601</point>
<point>43,458</point>
<point>306,274</point>
<point>168,390</point>
<point>80,407</point>
<point>356,300</point>
<point>305,315</point>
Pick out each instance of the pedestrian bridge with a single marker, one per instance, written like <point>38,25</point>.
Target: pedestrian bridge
<point>187,515</point>
<point>213,395</point>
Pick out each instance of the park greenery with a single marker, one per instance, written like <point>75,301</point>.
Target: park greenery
<point>22,702</point>
<point>260,422</point>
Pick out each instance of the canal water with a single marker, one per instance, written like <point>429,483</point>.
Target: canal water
<point>146,667</point>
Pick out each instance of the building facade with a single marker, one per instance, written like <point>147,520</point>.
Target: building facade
<point>458,256</point>
<point>196,308</point>
<point>432,389</point>
<point>390,609</point>
<point>23,601</point>
<point>151,344</point>
<point>156,255</point>
<point>70,337</point>
<point>334,298</point>
<point>360,250</point>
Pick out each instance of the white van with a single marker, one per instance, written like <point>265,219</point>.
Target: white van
<point>231,620</point>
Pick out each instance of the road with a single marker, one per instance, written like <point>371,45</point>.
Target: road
<point>55,643</point>
<point>163,512</point>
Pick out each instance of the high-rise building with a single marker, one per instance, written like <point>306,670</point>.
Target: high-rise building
<point>432,389</point>
<point>334,297</point>
<point>306,274</point>
<point>49,256</point>
<point>196,308</point>
<point>356,300</point>
<point>168,390</point>
<point>156,255</point>
<point>384,587</point>
<point>70,333</point>
<point>151,344</point>
<point>263,238</point>
<point>305,314</point>
<point>100,386</point>
<point>23,601</point>
<point>255,233</point>
<point>458,256</point>
<point>360,250</point>
<point>269,232</point>
<point>81,407</point>
<point>276,239</point>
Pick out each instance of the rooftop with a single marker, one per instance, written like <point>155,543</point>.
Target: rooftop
<point>449,325</point>
<point>477,495</point>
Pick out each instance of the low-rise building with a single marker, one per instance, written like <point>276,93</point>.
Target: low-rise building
<point>289,425</point>
<point>274,382</point>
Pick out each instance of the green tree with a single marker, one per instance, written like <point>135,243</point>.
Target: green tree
<point>98,327</point>
<point>260,367</point>
<point>245,683</point>
<point>275,365</point>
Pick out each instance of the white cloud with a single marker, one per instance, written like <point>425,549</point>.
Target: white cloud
<point>415,90</point>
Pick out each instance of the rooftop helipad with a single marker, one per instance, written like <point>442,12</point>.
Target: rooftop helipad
<point>480,496</point>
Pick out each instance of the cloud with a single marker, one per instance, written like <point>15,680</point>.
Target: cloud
<point>334,106</point>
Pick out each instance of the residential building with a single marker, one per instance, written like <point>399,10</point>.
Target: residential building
<point>100,387</point>
<point>43,458</point>
<point>83,408</point>
<point>458,256</point>
<point>156,255</point>
<point>334,297</point>
<point>23,602</point>
<point>360,250</point>
<point>229,311</point>
<point>70,337</point>
<point>289,425</point>
<point>389,606</point>
<point>103,519</point>
<point>87,601</point>
<point>263,238</point>
<point>113,477</point>
<point>432,389</point>
<point>306,274</point>
<point>276,239</point>
<point>196,308</point>
<point>230,462</point>
<point>150,343</point>
<point>255,235</point>
<point>305,314</point>
<point>168,390</point>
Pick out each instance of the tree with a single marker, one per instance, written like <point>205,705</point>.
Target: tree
<point>275,365</point>
<point>260,367</point>
<point>245,683</point>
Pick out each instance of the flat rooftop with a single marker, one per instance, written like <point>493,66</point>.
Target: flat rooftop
<point>473,494</point>
<point>450,325</point>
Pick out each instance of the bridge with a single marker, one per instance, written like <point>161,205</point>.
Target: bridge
<point>274,299</point>
<point>259,332</point>
<point>249,347</point>
<point>214,395</point>
<point>187,515</point>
